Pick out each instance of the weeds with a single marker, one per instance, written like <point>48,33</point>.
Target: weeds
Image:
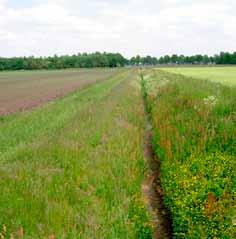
<point>139,216</point>
<point>194,136</point>
<point>70,169</point>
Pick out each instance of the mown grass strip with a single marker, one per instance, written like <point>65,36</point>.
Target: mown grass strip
<point>194,136</point>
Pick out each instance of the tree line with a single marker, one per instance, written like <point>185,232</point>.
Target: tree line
<point>222,58</point>
<point>63,62</point>
<point>98,59</point>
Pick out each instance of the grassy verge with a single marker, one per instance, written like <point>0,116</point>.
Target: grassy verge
<point>194,136</point>
<point>74,168</point>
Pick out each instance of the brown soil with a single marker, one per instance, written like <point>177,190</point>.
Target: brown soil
<point>20,91</point>
<point>153,192</point>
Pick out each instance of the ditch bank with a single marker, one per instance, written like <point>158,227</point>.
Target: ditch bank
<point>151,187</point>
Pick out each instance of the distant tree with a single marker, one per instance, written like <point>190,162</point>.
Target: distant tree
<point>174,59</point>
<point>181,59</point>
<point>98,59</point>
<point>205,59</point>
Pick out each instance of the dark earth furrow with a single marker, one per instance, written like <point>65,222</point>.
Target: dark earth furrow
<point>153,191</point>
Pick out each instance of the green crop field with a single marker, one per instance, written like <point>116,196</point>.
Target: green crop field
<point>74,163</point>
<point>224,75</point>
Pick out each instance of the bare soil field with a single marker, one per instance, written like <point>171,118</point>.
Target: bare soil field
<point>21,91</point>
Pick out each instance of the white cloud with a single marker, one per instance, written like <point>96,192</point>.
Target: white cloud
<point>130,27</point>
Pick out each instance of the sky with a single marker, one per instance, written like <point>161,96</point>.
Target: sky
<point>131,27</point>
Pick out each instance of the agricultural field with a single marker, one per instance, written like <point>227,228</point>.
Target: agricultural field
<point>21,90</point>
<point>224,75</point>
<point>125,153</point>
<point>66,169</point>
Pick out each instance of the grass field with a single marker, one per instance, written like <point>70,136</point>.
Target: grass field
<point>75,167</point>
<point>67,171</point>
<point>224,75</point>
<point>23,90</point>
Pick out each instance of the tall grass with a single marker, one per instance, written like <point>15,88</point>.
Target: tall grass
<point>195,137</point>
<point>71,170</point>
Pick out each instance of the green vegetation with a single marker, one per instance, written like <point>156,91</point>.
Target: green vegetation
<point>194,128</point>
<point>224,75</point>
<point>69,168</point>
<point>62,62</point>
<point>73,168</point>
<point>98,59</point>
<point>222,58</point>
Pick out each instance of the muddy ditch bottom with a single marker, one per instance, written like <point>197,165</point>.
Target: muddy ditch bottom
<point>153,192</point>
